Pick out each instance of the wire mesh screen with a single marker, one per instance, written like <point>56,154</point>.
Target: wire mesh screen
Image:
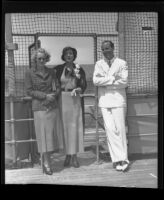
<point>141,51</point>
<point>140,42</point>
<point>100,23</point>
<point>21,57</point>
<point>9,74</point>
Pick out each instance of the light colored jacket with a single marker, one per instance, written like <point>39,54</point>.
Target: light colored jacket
<point>111,81</point>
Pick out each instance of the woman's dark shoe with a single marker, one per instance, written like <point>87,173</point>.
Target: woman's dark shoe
<point>45,164</point>
<point>67,161</point>
<point>75,162</point>
<point>47,170</point>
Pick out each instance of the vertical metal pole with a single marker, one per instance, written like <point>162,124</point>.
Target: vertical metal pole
<point>30,131</point>
<point>29,54</point>
<point>121,34</point>
<point>37,42</point>
<point>122,49</point>
<point>96,104</point>
<point>13,130</point>
<point>97,132</point>
<point>38,45</point>
<point>9,39</point>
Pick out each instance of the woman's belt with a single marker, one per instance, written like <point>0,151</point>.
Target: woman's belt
<point>68,90</point>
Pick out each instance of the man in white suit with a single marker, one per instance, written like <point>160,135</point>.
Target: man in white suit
<point>111,76</point>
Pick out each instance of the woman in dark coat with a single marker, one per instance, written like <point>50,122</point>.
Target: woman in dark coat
<point>42,85</point>
<point>72,80</point>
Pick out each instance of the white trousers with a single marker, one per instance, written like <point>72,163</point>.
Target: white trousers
<point>114,122</point>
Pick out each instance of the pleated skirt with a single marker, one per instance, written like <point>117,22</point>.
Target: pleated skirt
<point>49,130</point>
<point>72,123</point>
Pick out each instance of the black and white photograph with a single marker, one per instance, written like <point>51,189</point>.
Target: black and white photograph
<point>81,98</point>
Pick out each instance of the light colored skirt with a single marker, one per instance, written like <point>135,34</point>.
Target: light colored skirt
<point>72,122</point>
<point>49,130</point>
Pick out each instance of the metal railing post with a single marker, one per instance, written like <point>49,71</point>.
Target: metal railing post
<point>97,132</point>
<point>30,130</point>
<point>13,130</point>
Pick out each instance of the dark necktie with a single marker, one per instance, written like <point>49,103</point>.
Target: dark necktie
<point>109,63</point>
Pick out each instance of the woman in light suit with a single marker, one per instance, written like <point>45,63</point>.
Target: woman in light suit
<point>42,85</point>
<point>111,77</point>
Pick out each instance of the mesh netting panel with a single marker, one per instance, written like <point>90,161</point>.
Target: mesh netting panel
<point>9,74</point>
<point>21,57</point>
<point>140,42</point>
<point>141,51</point>
<point>99,23</point>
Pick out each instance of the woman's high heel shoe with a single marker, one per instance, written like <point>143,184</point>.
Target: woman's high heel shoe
<point>67,161</point>
<point>47,170</point>
<point>75,162</point>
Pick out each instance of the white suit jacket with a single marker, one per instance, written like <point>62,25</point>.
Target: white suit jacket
<point>112,82</point>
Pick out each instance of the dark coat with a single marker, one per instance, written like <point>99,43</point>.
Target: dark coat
<point>82,83</point>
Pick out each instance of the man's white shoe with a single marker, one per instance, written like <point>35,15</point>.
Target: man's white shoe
<point>125,166</point>
<point>119,167</point>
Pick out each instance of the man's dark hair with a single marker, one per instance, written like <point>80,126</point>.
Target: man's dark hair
<point>108,41</point>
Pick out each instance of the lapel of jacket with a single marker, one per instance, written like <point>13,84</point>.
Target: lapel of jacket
<point>114,67</point>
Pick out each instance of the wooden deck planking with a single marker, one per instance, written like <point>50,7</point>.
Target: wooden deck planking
<point>142,174</point>
<point>92,177</point>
